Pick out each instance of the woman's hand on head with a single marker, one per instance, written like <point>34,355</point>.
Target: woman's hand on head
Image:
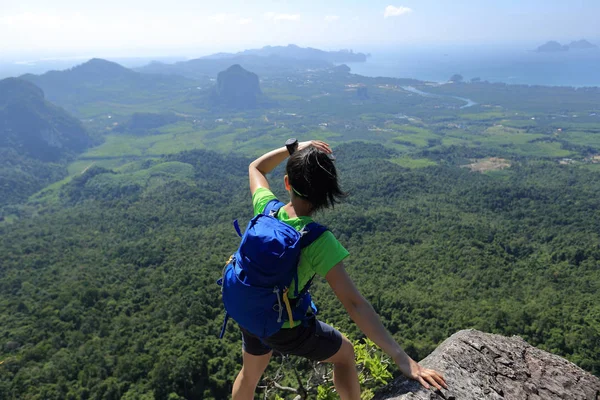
<point>411,369</point>
<point>318,144</point>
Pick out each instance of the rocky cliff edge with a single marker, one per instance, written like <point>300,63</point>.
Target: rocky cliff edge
<point>480,366</point>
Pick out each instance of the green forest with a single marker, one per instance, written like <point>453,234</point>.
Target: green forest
<point>471,205</point>
<point>109,291</point>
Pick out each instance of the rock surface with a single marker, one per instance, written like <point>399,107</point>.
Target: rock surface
<point>481,366</point>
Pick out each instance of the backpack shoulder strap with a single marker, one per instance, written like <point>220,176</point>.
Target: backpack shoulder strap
<point>272,207</point>
<point>310,233</point>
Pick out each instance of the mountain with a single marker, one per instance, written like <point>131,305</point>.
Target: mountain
<point>479,365</point>
<point>265,66</point>
<point>237,88</point>
<point>100,80</point>
<point>36,139</point>
<point>299,53</point>
<point>95,72</point>
<point>35,127</point>
<point>582,45</point>
<point>551,47</point>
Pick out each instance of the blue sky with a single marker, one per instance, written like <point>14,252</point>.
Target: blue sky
<point>194,27</point>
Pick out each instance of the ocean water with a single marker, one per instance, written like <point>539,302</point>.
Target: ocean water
<point>514,66</point>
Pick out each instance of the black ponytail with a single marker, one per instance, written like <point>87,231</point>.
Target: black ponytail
<point>313,177</point>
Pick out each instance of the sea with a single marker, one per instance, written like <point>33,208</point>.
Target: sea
<point>576,68</point>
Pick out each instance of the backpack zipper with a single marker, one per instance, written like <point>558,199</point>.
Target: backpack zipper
<point>280,308</point>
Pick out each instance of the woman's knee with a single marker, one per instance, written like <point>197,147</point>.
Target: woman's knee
<point>345,355</point>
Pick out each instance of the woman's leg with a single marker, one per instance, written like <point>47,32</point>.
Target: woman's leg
<point>345,377</point>
<point>246,381</point>
<point>318,341</point>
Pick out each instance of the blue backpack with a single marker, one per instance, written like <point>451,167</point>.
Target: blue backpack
<point>257,278</point>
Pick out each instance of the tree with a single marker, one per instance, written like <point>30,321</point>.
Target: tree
<point>456,78</point>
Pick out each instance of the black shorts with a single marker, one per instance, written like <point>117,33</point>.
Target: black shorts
<point>313,339</point>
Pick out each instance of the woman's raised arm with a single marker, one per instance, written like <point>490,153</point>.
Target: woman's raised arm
<point>266,163</point>
<point>259,168</point>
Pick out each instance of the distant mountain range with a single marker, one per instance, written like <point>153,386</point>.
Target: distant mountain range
<point>264,66</point>
<point>97,80</point>
<point>299,53</point>
<point>98,86</point>
<point>267,61</point>
<point>554,47</point>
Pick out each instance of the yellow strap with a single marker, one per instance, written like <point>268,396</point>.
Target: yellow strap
<point>288,307</point>
<point>228,261</point>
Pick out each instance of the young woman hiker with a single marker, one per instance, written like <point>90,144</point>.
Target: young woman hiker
<point>311,180</point>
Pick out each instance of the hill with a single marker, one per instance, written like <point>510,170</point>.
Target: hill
<point>267,61</point>
<point>209,67</point>
<point>36,139</point>
<point>97,81</point>
<point>35,127</point>
<point>553,46</point>
<point>300,53</point>
<point>582,45</point>
<point>237,88</point>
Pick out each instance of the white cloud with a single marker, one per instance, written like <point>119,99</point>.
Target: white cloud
<point>222,17</point>
<point>282,17</point>
<point>391,11</point>
<point>332,18</point>
<point>41,20</point>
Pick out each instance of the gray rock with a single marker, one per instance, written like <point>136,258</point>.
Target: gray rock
<point>480,366</point>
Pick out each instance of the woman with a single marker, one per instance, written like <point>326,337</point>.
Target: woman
<point>311,180</point>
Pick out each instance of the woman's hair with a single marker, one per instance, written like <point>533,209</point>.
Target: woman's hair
<point>313,177</point>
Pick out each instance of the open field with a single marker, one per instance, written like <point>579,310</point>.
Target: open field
<point>321,106</point>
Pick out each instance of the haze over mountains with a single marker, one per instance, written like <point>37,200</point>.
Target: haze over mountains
<point>202,67</point>
<point>298,53</point>
<point>91,81</point>
<point>35,127</point>
<point>554,46</point>
<point>36,139</point>
<point>39,138</point>
<point>267,61</point>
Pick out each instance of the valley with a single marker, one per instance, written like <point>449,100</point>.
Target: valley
<point>473,206</point>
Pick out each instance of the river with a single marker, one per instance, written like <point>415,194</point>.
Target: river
<point>470,103</point>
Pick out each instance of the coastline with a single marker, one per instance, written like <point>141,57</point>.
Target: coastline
<point>577,69</point>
